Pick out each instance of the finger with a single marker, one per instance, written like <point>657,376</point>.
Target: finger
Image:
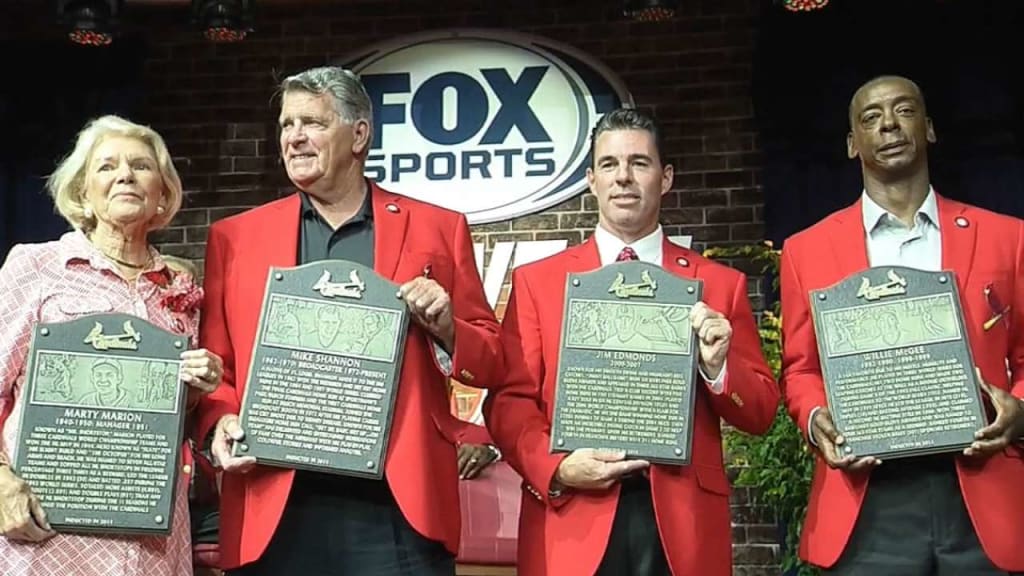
<point>829,451</point>
<point>238,464</point>
<point>715,331</point>
<point>404,289</point>
<point>993,430</point>
<point>414,289</point>
<point>987,447</point>
<point>438,306</point>
<point>861,464</point>
<point>474,470</point>
<point>607,455</point>
<point>197,354</point>
<point>38,514</point>
<point>233,428</point>
<point>616,470</point>
<point>220,450</point>
<point>29,531</point>
<point>823,422</point>
<point>463,462</point>
<point>698,314</point>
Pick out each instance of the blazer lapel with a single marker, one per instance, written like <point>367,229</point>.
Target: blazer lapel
<point>849,244</point>
<point>959,232</point>
<point>584,257</point>
<point>282,250</point>
<point>678,260</point>
<point>390,222</point>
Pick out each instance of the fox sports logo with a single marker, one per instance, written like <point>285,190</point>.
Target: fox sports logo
<point>492,124</point>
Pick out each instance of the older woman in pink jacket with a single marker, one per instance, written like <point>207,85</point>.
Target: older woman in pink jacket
<point>114,188</point>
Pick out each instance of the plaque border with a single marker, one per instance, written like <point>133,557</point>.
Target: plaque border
<point>686,459</point>
<point>177,442</point>
<point>964,342</point>
<point>378,469</point>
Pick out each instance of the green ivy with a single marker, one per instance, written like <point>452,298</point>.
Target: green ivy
<point>777,465</point>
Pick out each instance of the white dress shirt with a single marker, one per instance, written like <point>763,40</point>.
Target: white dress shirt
<point>649,249</point>
<point>890,242</point>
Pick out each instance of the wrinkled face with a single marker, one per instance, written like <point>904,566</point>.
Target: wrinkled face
<point>628,180</point>
<point>318,147</point>
<point>106,379</point>
<point>889,129</point>
<point>123,185</point>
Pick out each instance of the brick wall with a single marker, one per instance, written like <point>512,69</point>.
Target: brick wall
<point>213,105</point>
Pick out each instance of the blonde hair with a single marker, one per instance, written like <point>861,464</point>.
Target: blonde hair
<point>67,183</point>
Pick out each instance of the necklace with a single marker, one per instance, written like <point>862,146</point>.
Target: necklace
<point>129,264</point>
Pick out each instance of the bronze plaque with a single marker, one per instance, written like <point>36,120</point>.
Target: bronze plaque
<point>898,369</point>
<point>324,373</point>
<point>627,363</point>
<point>102,424</point>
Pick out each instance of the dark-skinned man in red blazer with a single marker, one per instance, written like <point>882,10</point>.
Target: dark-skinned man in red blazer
<point>593,511</point>
<point>276,521</point>
<point>943,514</point>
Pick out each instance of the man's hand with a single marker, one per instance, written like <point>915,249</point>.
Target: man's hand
<point>714,332</point>
<point>21,515</point>
<point>225,435</point>
<point>431,308</point>
<point>830,445</point>
<point>473,459</point>
<point>1007,427</point>
<point>590,469</point>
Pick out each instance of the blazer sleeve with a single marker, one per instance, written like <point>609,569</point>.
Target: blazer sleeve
<point>513,412</point>
<point>214,335</point>
<point>478,359</point>
<point>802,384</point>
<point>1016,355</point>
<point>750,395</point>
<point>458,432</point>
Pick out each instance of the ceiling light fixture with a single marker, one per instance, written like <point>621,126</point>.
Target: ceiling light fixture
<point>651,10</point>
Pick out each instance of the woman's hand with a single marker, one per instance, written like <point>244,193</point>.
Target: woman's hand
<point>21,514</point>
<point>201,369</point>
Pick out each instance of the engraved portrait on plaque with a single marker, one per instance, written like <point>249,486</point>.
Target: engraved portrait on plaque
<point>627,363</point>
<point>102,426</point>
<point>323,379</point>
<point>898,370</point>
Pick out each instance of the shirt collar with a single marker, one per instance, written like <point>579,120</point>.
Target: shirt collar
<point>75,245</point>
<point>365,212</point>
<point>648,248</point>
<point>874,214</point>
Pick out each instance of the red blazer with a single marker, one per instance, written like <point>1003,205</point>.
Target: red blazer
<point>568,537</point>
<point>420,466</point>
<point>983,248</point>
<point>460,432</point>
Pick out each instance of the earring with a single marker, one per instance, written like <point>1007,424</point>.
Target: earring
<point>160,210</point>
<point>87,213</point>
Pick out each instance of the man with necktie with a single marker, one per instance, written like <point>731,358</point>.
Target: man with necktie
<point>593,511</point>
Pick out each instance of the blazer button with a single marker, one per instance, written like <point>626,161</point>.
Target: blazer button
<point>186,469</point>
<point>466,375</point>
<point>393,208</point>
<point>737,400</point>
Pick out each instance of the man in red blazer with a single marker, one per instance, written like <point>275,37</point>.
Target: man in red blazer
<point>277,521</point>
<point>946,514</point>
<point>593,511</point>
